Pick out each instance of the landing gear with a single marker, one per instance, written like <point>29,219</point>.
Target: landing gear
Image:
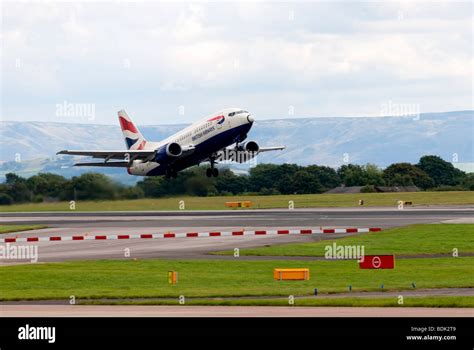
<point>212,171</point>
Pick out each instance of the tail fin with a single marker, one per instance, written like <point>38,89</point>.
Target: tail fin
<point>134,139</point>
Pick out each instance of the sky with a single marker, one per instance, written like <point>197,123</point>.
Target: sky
<point>168,63</point>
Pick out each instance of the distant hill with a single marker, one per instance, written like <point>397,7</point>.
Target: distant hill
<point>325,141</point>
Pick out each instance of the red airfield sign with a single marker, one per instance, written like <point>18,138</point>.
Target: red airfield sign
<point>377,262</point>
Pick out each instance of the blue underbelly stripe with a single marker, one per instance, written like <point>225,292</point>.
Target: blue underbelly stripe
<point>205,148</point>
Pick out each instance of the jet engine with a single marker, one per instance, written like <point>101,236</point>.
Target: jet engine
<point>167,152</point>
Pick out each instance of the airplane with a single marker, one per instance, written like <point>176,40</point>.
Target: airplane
<point>215,138</point>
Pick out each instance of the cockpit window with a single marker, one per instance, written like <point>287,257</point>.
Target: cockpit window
<point>231,114</point>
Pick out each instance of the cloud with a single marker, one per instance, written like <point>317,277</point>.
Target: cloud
<point>321,58</point>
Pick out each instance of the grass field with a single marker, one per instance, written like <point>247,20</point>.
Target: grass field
<point>315,301</point>
<point>217,278</point>
<point>280,201</point>
<point>408,240</point>
<point>18,228</point>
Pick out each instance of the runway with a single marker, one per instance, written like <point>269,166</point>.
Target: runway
<point>361,217</point>
<point>148,222</point>
<point>224,311</point>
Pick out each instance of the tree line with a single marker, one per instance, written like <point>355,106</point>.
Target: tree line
<point>430,173</point>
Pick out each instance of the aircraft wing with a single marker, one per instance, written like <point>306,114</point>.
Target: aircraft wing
<point>106,164</point>
<point>122,154</point>
<point>126,157</point>
<point>274,148</point>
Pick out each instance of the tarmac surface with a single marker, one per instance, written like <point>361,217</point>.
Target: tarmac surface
<point>349,217</point>
<point>224,311</point>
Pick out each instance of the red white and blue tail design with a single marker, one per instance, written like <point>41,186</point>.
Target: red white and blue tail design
<point>134,139</point>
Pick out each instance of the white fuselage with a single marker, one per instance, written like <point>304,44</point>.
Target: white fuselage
<point>206,136</point>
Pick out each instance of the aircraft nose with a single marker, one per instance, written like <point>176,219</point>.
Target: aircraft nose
<point>250,119</point>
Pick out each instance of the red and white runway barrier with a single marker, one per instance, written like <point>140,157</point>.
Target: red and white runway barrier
<point>272,232</point>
